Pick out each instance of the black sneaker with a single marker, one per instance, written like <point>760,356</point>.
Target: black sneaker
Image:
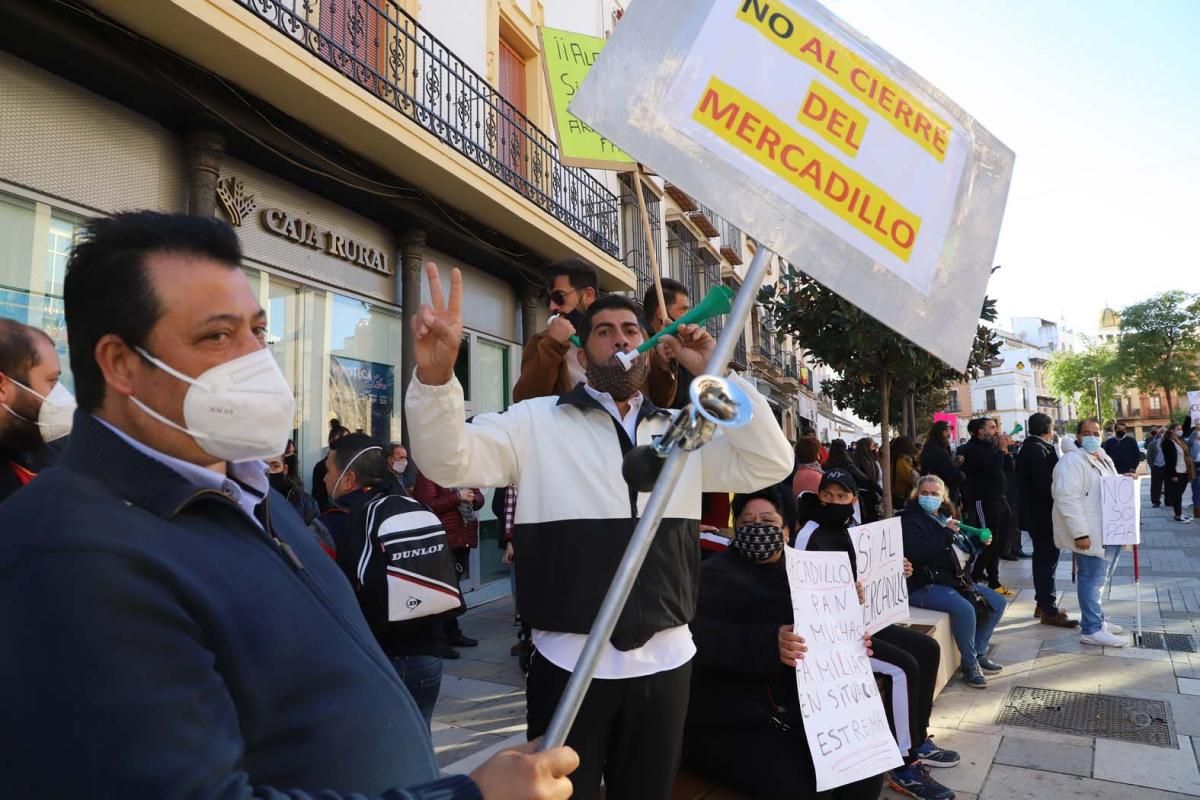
<point>462,640</point>
<point>931,755</point>
<point>988,666</point>
<point>915,781</point>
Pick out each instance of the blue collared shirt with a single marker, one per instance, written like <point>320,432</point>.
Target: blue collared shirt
<point>245,483</point>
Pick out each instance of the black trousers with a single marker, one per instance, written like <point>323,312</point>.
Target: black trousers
<point>918,656</point>
<point>1175,486</point>
<point>630,732</point>
<point>462,561</point>
<point>1045,563</point>
<point>993,513</point>
<point>1156,484</point>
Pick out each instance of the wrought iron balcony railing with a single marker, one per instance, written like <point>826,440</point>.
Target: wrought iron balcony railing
<point>739,354</point>
<point>376,44</point>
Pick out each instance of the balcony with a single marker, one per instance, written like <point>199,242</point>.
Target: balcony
<point>376,44</point>
<point>370,79</point>
<point>739,360</point>
<point>705,220</point>
<point>731,241</point>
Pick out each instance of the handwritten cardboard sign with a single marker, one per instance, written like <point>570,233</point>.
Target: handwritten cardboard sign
<point>844,720</point>
<point>567,57</point>
<point>818,143</point>
<point>880,550</point>
<point>1121,510</point>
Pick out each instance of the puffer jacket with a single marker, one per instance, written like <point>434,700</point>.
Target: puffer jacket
<point>1077,506</point>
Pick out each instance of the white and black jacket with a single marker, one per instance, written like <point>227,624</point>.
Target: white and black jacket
<point>576,513</point>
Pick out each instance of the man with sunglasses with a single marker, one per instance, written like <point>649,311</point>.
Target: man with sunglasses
<point>550,362</point>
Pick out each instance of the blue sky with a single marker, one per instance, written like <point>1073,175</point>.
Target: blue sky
<point>1100,100</point>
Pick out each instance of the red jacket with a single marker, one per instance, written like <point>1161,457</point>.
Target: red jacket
<point>444,503</point>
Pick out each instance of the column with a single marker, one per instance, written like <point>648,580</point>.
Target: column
<point>205,152</point>
<point>530,304</point>
<point>409,275</point>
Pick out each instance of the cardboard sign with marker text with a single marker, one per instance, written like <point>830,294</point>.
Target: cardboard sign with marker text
<point>1121,510</point>
<point>880,550</point>
<point>844,719</point>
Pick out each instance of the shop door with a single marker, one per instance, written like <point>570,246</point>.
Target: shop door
<point>490,392</point>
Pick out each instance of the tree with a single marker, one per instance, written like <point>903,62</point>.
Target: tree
<point>872,358</point>
<point>1159,344</point>
<point>1075,374</point>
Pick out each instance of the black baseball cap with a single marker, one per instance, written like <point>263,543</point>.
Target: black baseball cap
<point>840,477</point>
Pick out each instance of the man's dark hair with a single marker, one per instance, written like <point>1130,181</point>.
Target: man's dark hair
<point>581,274</point>
<point>370,466</point>
<point>107,290</point>
<point>18,349</point>
<point>1082,422</point>
<point>608,303</point>
<point>808,450</point>
<point>976,425</point>
<point>1040,424</point>
<point>391,448</point>
<point>671,291</point>
<point>778,495</point>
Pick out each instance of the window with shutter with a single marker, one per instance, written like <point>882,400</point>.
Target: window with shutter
<point>352,39</point>
<point>513,149</point>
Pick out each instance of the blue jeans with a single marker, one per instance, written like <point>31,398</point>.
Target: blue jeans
<point>1090,573</point>
<point>422,676</point>
<point>1196,490</point>
<point>970,634</point>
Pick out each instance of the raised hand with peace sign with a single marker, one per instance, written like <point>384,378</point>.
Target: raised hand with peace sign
<point>437,329</point>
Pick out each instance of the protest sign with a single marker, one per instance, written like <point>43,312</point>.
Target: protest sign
<point>1120,510</point>
<point>567,57</point>
<point>880,555</point>
<point>820,145</point>
<point>844,720</point>
<point>1194,402</point>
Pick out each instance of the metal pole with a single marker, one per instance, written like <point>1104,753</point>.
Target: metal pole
<point>1099,411</point>
<point>647,527</point>
<point>1137,591</point>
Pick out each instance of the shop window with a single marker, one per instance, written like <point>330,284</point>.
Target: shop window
<point>364,361</point>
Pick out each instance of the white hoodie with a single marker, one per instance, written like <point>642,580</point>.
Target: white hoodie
<point>1077,506</point>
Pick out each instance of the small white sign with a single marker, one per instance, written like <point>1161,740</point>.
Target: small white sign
<point>844,720</point>
<point>1121,510</point>
<point>880,554</point>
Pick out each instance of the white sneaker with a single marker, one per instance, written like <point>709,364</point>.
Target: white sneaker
<point>1104,638</point>
<point>1184,520</point>
<point>1113,628</point>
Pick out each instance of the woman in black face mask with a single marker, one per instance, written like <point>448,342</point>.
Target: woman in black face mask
<point>744,727</point>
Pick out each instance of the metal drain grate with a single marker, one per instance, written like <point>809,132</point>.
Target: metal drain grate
<point>1125,719</point>
<point>1175,642</point>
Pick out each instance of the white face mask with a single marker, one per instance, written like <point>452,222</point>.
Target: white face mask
<point>57,413</point>
<point>398,467</point>
<point>241,410</point>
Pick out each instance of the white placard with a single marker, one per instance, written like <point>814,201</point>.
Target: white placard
<point>822,146</point>
<point>1121,510</point>
<point>844,720</point>
<point>880,555</point>
<point>1194,402</point>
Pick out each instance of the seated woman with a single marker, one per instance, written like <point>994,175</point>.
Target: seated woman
<point>941,554</point>
<point>744,727</point>
<point>907,659</point>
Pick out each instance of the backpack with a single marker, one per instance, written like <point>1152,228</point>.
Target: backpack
<point>398,553</point>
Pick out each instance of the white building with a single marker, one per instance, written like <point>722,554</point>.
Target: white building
<point>1014,387</point>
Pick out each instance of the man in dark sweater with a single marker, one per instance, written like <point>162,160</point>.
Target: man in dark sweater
<point>1123,451</point>
<point>181,632</point>
<point>984,466</point>
<point>1035,473</point>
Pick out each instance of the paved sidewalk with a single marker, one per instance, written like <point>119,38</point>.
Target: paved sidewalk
<point>482,705</point>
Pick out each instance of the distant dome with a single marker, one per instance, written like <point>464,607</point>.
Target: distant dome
<point>1109,319</point>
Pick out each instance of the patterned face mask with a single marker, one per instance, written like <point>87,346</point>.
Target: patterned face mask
<point>757,542</point>
<point>613,378</point>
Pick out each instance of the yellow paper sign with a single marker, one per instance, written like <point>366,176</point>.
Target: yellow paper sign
<point>567,57</point>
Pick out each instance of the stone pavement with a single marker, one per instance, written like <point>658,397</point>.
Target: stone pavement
<point>482,706</point>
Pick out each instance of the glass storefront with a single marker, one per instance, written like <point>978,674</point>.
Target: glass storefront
<point>35,242</point>
<point>341,354</point>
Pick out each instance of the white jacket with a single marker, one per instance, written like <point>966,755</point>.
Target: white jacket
<point>1077,506</point>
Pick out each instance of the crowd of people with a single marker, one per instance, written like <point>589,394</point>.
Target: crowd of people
<point>194,621</point>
